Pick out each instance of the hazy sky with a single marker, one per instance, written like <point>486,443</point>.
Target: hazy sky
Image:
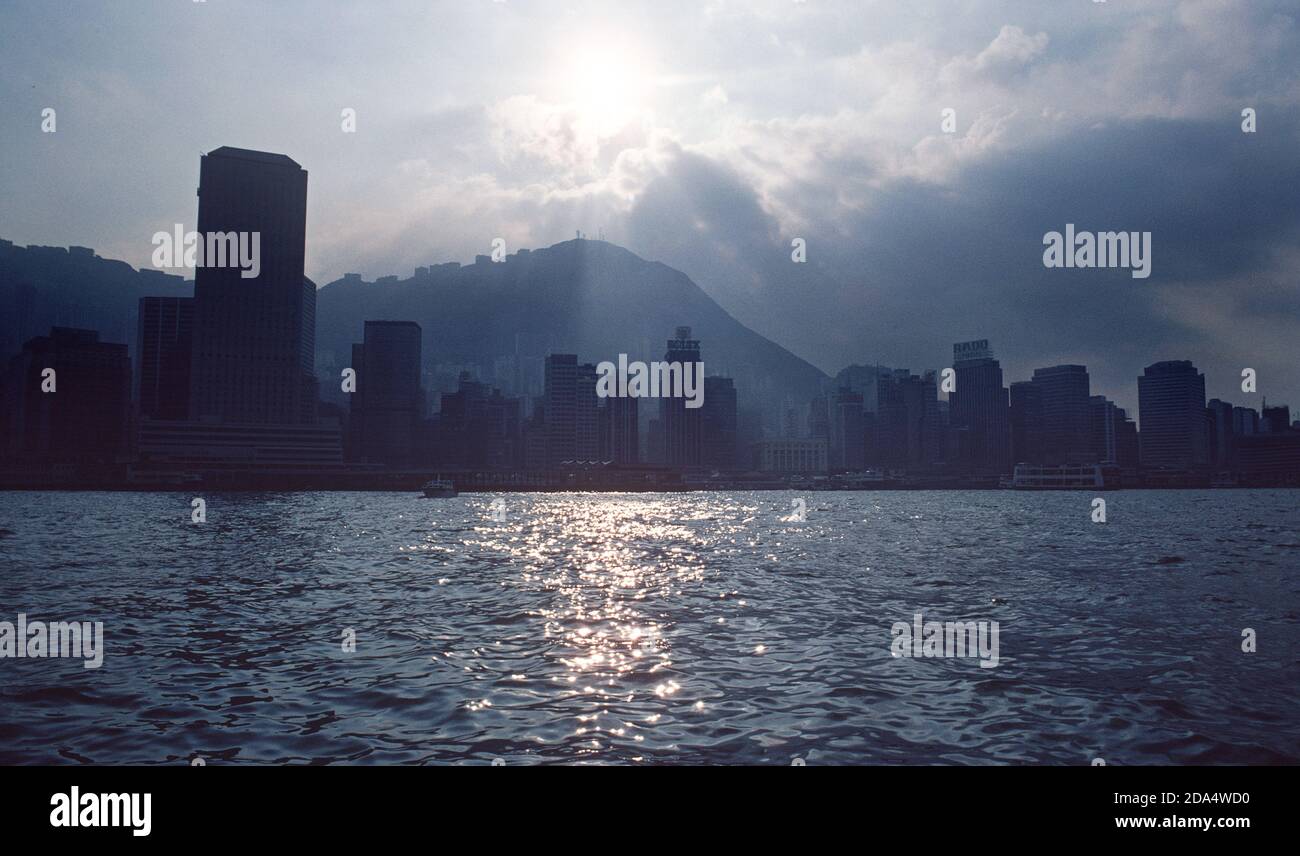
<point>708,135</point>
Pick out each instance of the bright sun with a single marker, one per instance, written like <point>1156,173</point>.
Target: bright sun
<point>608,85</point>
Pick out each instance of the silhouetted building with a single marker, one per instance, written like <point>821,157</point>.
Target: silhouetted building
<point>586,442</point>
<point>1026,422</point>
<point>164,346</point>
<point>1218,415</point>
<point>1103,441</point>
<point>84,417</point>
<point>388,404</point>
<point>620,430</point>
<point>1066,435</point>
<point>681,425</point>
<point>1275,420</point>
<point>570,408</point>
<point>254,338</point>
<point>1171,407</point>
<point>848,445</point>
<point>978,410</point>
<point>477,428</point>
<point>719,441</point>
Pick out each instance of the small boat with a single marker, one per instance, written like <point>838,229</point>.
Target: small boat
<point>439,488</point>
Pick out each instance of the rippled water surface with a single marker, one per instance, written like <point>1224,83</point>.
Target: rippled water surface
<point>698,628</point>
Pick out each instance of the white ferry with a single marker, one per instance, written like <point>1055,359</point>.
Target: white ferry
<point>1065,477</point>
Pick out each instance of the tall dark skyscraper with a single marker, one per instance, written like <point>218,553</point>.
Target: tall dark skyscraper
<point>388,403</point>
<point>163,351</point>
<point>719,449</point>
<point>1067,435</point>
<point>1026,423</point>
<point>681,425</point>
<point>1171,409</point>
<point>560,408</point>
<point>978,416</point>
<point>254,338</point>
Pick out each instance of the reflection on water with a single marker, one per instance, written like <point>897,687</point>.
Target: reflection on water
<point>697,628</point>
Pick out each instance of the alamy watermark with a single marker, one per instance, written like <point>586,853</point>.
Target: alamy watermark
<point>1099,250</point>
<point>651,380</point>
<point>181,249</point>
<point>41,639</point>
<point>948,639</point>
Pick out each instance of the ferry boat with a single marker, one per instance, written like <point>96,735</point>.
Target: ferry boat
<point>1065,477</point>
<point>439,489</point>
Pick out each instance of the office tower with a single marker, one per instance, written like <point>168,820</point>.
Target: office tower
<point>388,404</point>
<point>620,430</point>
<point>1101,430</point>
<point>164,346</point>
<point>978,409</point>
<point>84,418</point>
<point>848,439</point>
<point>254,338</point>
<point>1026,422</point>
<point>1245,421</point>
<point>586,441</point>
<point>1218,416</point>
<point>920,418</point>
<point>681,425</point>
<point>1127,453</point>
<point>561,409</point>
<point>1275,420</point>
<point>477,428</point>
<point>1171,408</point>
<point>719,424</point>
<point>1065,391</point>
<point>819,418</point>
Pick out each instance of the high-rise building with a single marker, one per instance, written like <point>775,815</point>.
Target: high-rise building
<point>978,410</point>
<point>620,430</point>
<point>77,412</point>
<point>1103,442</point>
<point>848,440</point>
<point>254,338</point>
<point>1026,422</point>
<point>1171,408</point>
<point>164,346</point>
<point>572,432</point>
<point>1275,420</point>
<point>586,442</point>
<point>561,408</point>
<point>681,425</point>
<point>1067,435</point>
<point>388,404</point>
<point>719,442</point>
<point>1218,416</point>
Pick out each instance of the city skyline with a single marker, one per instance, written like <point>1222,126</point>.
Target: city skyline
<point>737,132</point>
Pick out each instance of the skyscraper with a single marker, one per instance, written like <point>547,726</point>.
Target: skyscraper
<point>1067,436</point>
<point>388,403</point>
<point>719,449</point>
<point>165,343</point>
<point>978,409</point>
<point>620,430</point>
<point>254,338</point>
<point>1026,423</point>
<point>1171,408</point>
<point>681,425</point>
<point>560,407</point>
